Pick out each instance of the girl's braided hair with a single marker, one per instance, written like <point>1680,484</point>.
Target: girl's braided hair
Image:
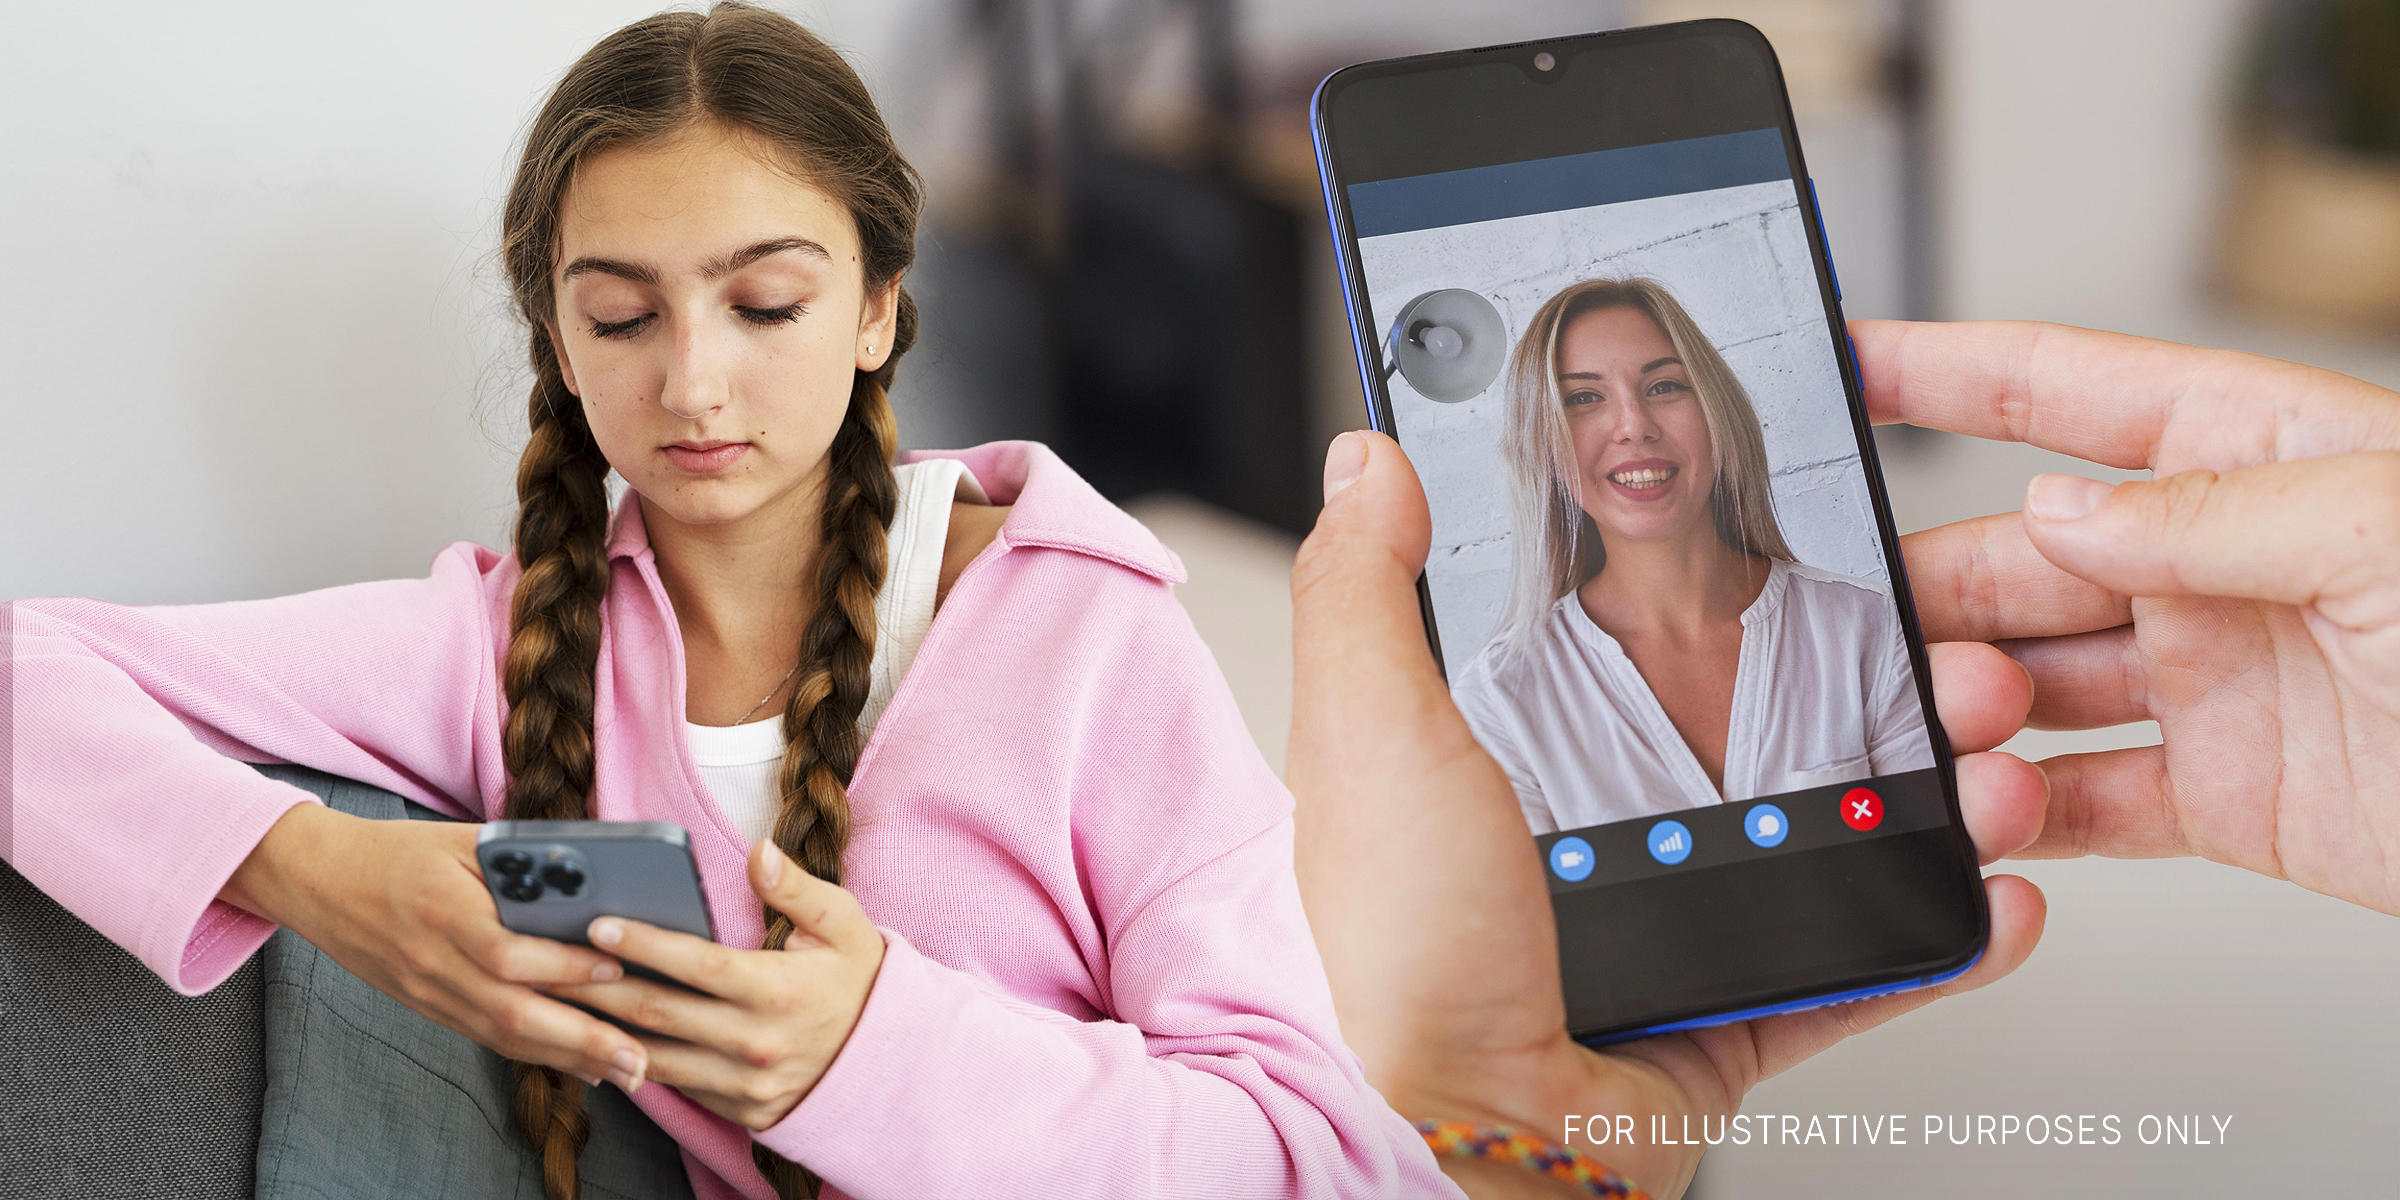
<point>750,69</point>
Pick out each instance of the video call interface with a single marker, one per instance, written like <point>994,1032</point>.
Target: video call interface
<point>1657,584</point>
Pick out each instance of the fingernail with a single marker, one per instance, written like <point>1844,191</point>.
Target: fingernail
<point>2065,497</point>
<point>628,1074</point>
<point>606,932</point>
<point>589,1080</point>
<point>771,864</point>
<point>1344,460</point>
<point>607,972</point>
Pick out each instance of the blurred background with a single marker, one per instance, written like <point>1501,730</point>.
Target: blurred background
<point>257,344</point>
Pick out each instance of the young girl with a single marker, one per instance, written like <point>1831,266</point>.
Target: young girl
<point>1041,937</point>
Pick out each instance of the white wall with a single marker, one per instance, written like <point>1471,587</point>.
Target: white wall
<point>253,342</point>
<point>1737,259</point>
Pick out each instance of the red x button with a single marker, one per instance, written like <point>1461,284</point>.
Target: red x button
<point>1862,810</point>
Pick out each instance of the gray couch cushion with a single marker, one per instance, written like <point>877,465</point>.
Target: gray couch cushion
<point>110,1083</point>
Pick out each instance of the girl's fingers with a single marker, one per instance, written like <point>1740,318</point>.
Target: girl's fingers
<point>527,1025</point>
<point>663,1009</point>
<point>517,958</point>
<point>722,1085</point>
<point>820,911</point>
<point>697,963</point>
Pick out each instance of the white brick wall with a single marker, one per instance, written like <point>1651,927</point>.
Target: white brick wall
<point>1737,258</point>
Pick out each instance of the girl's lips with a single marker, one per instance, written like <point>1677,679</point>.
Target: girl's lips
<point>706,462</point>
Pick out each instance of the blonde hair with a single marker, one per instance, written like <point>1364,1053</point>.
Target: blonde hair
<point>1550,555</point>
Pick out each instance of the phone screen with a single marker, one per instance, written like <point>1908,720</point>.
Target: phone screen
<point>1593,306</point>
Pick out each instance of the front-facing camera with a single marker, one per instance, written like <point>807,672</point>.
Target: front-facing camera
<point>1544,61</point>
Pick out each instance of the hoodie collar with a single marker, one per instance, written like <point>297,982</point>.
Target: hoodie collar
<point>1049,505</point>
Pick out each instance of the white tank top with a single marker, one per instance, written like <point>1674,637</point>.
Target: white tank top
<point>739,762</point>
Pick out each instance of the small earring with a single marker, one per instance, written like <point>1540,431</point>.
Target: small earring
<point>870,349</point>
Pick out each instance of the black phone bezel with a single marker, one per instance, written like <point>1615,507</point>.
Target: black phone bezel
<point>1367,346</point>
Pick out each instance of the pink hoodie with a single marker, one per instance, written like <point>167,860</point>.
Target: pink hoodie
<point>1099,980</point>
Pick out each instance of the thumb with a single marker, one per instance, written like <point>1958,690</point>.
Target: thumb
<point>1358,635</point>
<point>2322,532</point>
<point>821,910</point>
<point>1357,570</point>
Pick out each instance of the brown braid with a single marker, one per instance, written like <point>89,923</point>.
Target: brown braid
<point>547,674</point>
<point>837,650</point>
<point>746,68</point>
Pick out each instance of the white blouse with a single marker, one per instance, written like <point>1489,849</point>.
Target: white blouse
<point>1824,694</point>
<point>739,762</point>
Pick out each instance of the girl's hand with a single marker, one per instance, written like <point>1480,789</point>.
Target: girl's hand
<point>402,905</point>
<point>759,1027</point>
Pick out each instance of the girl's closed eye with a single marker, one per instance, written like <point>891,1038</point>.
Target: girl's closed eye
<point>619,329</point>
<point>772,316</point>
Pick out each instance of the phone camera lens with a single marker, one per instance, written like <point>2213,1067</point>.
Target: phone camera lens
<point>565,876</point>
<point>514,862</point>
<point>523,889</point>
<point>1544,61</point>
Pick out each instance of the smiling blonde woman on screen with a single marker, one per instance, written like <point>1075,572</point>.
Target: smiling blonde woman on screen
<point>1662,649</point>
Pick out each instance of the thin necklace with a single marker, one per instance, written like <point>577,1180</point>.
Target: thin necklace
<point>762,701</point>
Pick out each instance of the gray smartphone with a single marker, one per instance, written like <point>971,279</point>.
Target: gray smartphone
<point>550,879</point>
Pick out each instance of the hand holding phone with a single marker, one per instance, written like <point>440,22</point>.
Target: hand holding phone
<point>400,905</point>
<point>1435,922</point>
<point>745,1033</point>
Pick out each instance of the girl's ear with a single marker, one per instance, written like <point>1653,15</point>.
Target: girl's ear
<point>566,370</point>
<point>877,321</point>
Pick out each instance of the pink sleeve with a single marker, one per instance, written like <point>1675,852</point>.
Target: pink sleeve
<point>127,804</point>
<point>1222,1075</point>
<point>1219,1069</point>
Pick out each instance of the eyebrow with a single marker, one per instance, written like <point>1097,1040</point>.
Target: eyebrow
<point>1647,367</point>
<point>644,273</point>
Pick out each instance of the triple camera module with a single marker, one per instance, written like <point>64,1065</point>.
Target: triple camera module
<point>519,880</point>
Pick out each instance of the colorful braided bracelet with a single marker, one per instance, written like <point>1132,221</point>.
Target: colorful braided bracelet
<point>1501,1143</point>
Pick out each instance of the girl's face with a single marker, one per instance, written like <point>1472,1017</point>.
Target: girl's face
<point>1640,438</point>
<point>711,310</point>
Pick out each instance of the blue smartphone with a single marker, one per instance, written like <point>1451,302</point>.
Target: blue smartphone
<point>1591,298</point>
<point>550,879</point>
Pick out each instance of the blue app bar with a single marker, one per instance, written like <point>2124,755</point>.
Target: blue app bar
<point>1570,181</point>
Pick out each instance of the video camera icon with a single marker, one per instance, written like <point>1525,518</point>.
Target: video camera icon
<point>1571,859</point>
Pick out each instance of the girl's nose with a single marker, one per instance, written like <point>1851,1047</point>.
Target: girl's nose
<point>695,379</point>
